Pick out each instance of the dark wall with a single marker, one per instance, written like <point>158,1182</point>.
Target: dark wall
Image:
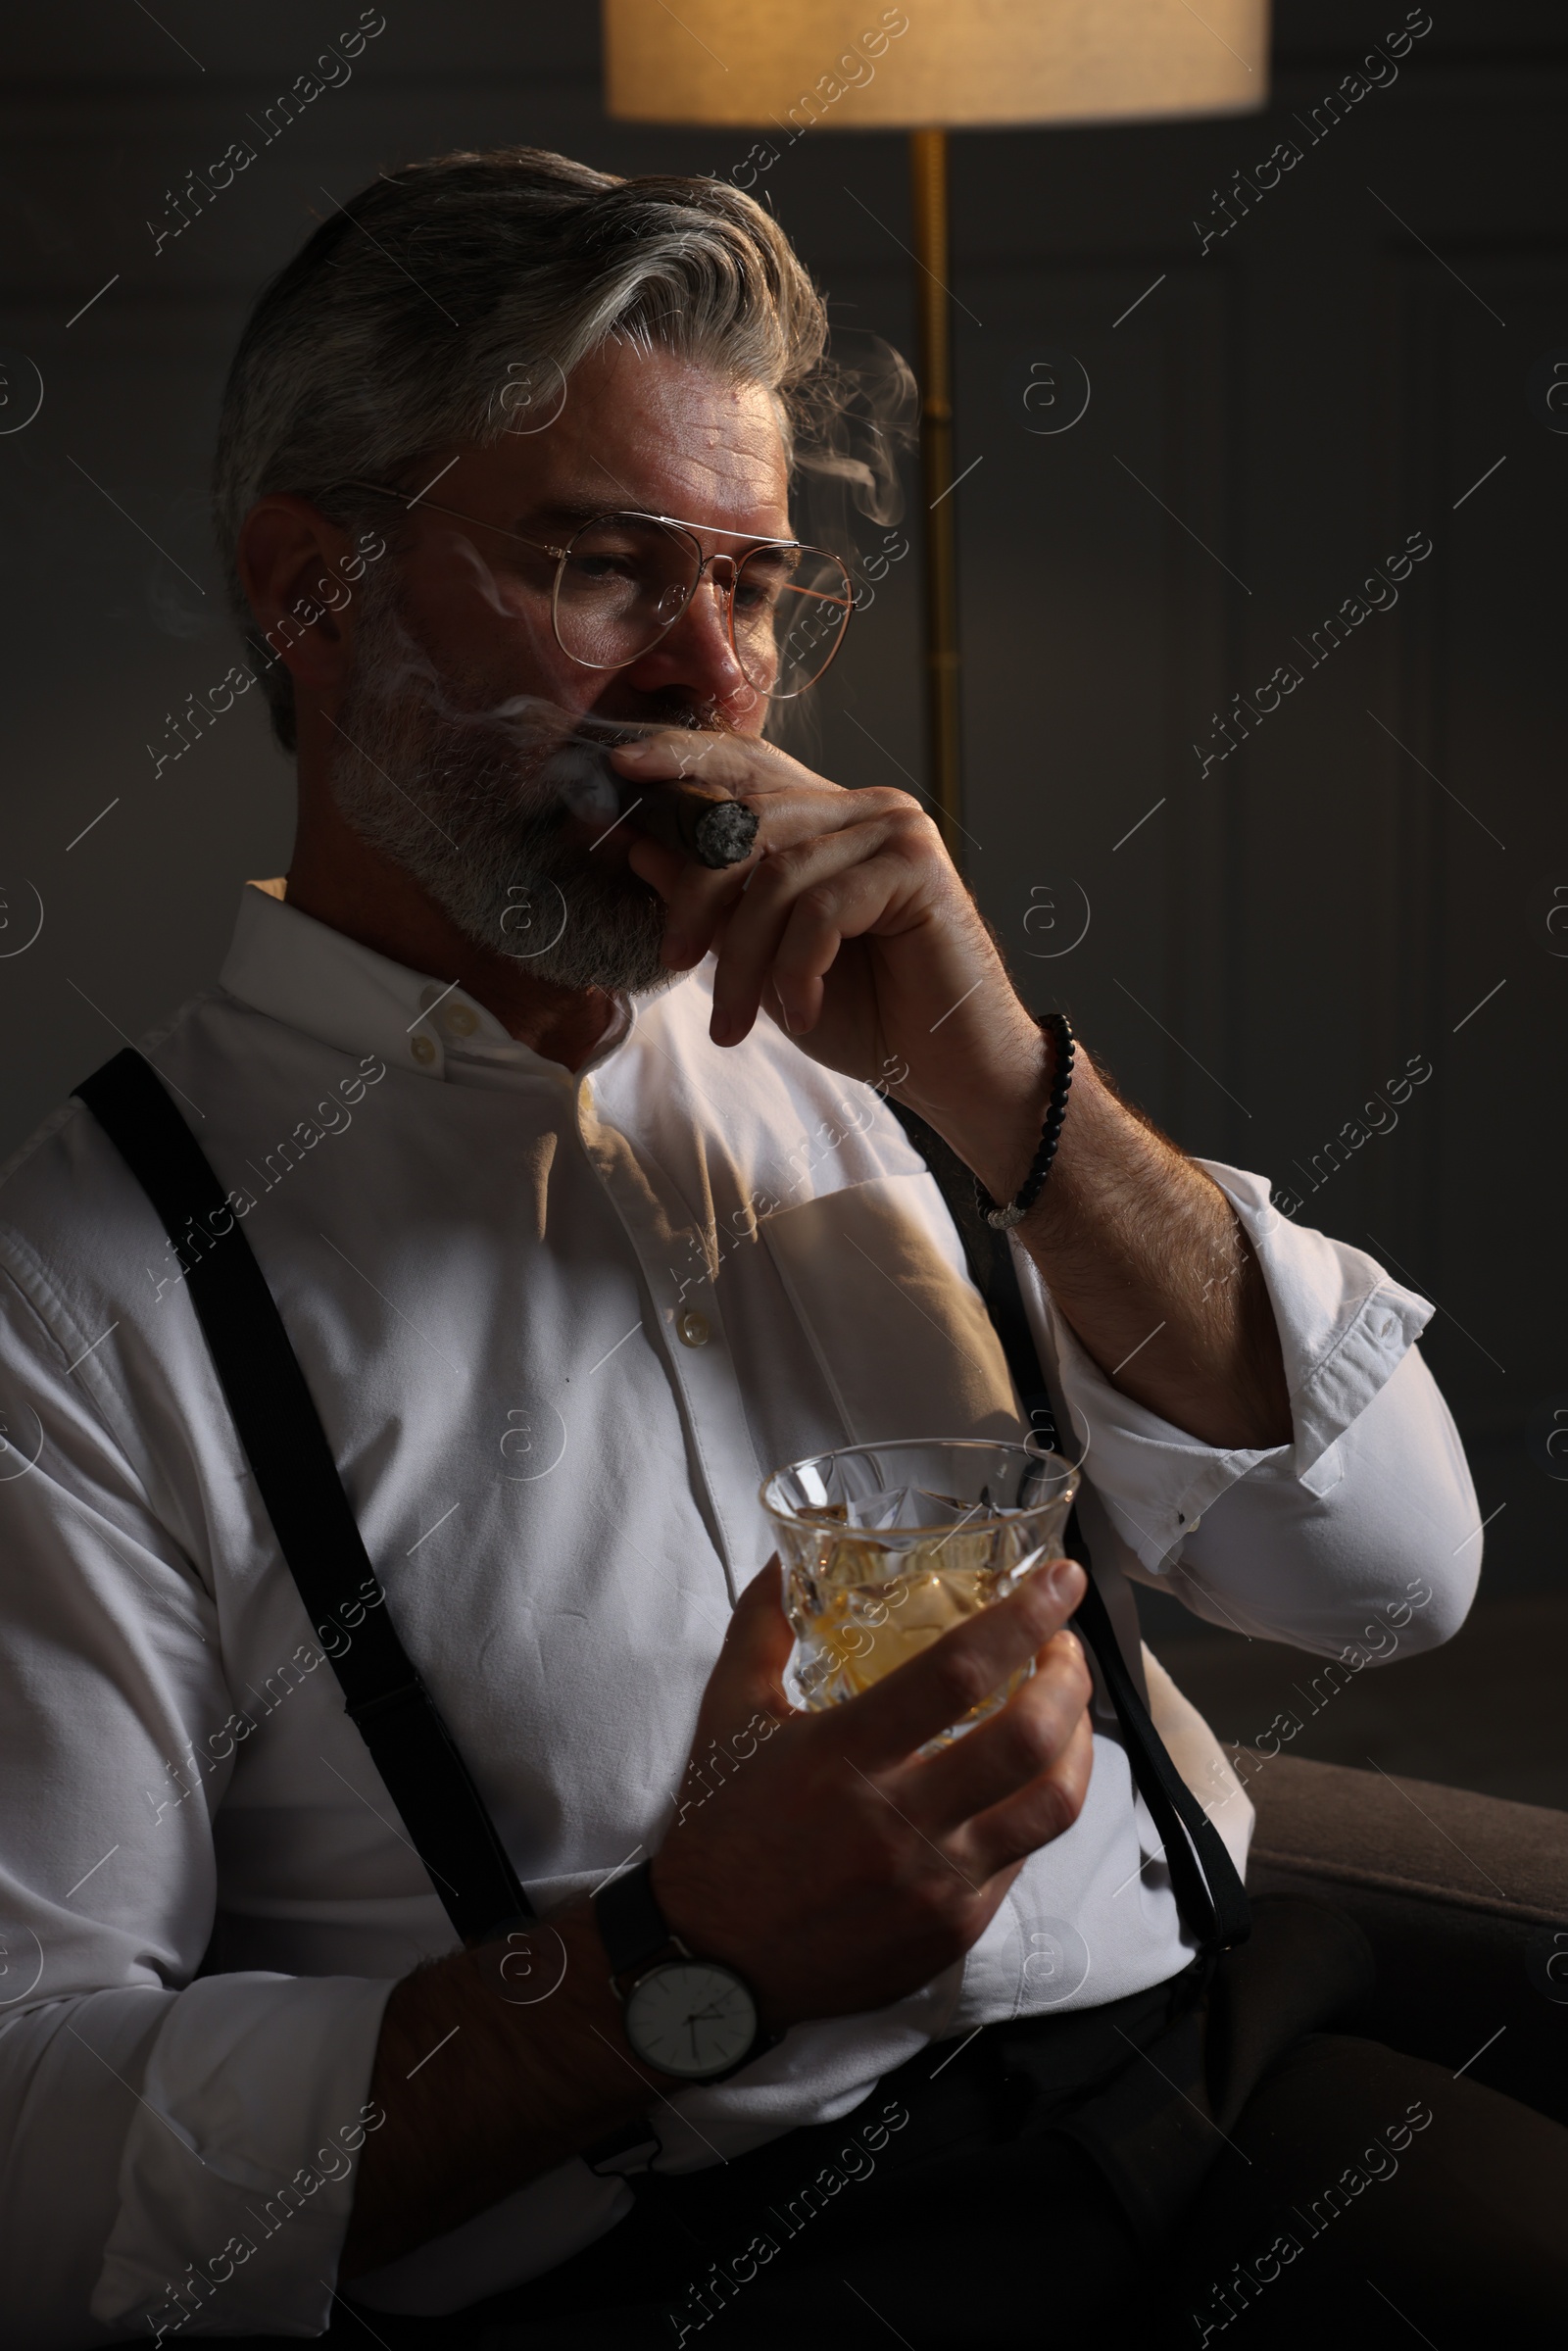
<point>1363,883</point>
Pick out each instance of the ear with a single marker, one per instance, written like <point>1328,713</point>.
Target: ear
<point>291,563</point>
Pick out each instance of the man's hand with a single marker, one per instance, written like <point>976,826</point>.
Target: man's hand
<point>850,926</point>
<point>835,1867</point>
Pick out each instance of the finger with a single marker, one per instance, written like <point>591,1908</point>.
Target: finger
<point>1010,1750</point>
<point>784,792</point>
<point>803,836</point>
<point>651,862</point>
<point>785,946</point>
<point>1010,1831</point>
<point>792,802</point>
<point>698,902</point>
<point>739,764</point>
<point>749,1674</point>
<point>960,1671</point>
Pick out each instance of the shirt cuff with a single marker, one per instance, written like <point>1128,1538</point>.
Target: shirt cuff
<point>238,2173</point>
<point>1343,1325</point>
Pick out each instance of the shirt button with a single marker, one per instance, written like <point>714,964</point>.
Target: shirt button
<point>424,1050</point>
<point>692,1329</point>
<point>461,1019</point>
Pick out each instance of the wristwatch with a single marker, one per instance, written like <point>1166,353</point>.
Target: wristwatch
<point>690,2017</point>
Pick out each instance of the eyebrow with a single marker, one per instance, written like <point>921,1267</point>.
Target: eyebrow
<point>566,511</point>
<point>574,513</point>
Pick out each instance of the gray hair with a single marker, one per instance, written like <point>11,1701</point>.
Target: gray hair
<point>443,296</point>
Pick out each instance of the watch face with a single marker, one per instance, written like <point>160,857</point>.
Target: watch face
<point>690,2017</point>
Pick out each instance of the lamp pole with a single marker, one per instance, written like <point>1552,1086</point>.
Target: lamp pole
<point>928,174</point>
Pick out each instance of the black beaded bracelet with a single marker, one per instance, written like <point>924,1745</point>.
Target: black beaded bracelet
<point>1001,1220</point>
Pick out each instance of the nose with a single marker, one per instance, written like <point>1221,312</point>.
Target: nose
<point>695,657</point>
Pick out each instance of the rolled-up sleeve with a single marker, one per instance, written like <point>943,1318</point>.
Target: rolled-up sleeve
<point>180,2151</point>
<point>1370,1506</point>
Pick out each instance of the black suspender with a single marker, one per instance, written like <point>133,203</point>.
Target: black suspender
<point>1209,1891</point>
<point>286,1446</point>
<point>283,1440</point>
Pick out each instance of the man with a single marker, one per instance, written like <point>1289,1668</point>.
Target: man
<point>568,1162</point>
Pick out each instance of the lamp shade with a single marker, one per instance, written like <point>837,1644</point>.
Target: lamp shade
<point>852,64</point>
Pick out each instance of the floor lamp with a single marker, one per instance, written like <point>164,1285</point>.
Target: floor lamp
<point>787,68</point>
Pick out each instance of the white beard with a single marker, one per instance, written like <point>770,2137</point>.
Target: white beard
<point>471,804</point>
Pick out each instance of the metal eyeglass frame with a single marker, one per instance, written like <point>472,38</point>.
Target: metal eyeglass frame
<point>726,589</point>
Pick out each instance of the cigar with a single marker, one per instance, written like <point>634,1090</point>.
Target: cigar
<point>699,820</point>
<point>693,818</point>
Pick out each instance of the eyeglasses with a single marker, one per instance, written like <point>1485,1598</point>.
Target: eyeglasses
<point>624,581</point>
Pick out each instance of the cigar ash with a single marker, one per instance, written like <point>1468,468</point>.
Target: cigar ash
<point>698,822</point>
<point>724,832</point>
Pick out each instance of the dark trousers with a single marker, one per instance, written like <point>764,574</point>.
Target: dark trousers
<point>1194,2162</point>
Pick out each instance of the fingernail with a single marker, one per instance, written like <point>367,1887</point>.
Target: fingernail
<point>1061,1579</point>
<point>637,750</point>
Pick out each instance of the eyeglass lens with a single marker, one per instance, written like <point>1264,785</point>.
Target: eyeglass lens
<point>626,578</point>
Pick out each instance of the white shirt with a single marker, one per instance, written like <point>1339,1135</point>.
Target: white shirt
<point>481,1259</point>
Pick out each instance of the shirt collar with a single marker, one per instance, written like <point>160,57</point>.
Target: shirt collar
<point>313,978</point>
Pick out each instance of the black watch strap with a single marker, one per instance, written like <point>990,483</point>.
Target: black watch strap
<point>633,1931</point>
<point>632,1926</point>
